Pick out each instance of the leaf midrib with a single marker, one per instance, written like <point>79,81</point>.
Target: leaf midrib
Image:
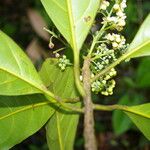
<point>24,109</point>
<point>30,83</point>
<point>138,47</point>
<point>59,131</point>
<point>72,25</point>
<point>136,112</point>
<point>23,79</point>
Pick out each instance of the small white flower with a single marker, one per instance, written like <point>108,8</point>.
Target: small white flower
<point>109,37</point>
<point>118,39</point>
<point>123,4</point>
<point>120,14</point>
<point>121,23</point>
<point>57,55</point>
<point>113,72</point>
<point>107,77</point>
<point>111,19</point>
<point>110,90</point>
<point>63,62</point>
<point>116,7</point>
<point>104,81</point>
<point>115,44</point>
<point>104,93</point>
<point>104,5</point>
<point>96,86</point>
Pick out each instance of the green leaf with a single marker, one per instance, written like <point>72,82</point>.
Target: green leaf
<point>140,115</point>
<point>140,46</point>
<point>73,18</point>
<point>121,122</point>
<point>20,117</point>
<point>17,74</point>
<point>61,83</point>
<point>61,128</point>
<point>143,73</point>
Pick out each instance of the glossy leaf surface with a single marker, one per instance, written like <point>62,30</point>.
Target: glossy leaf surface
<point>140,115</point>
<point>21,117</point>
<point>61,128</point>
<point>17,74</point>
<point>121,122</point>
<point>73,18</point>
<point>140,46</point>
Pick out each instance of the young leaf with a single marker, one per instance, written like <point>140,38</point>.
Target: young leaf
<point>140,115</point>
<point>21,117</point>
<point>61,128</point>
<point>17,74</point>
<point>73,18</point>
<point>140,46</point>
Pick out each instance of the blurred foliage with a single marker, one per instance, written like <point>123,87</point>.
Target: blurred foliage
<point>133,80</point>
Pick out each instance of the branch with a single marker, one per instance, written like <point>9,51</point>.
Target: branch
<point>109,107</point>
<point>89,136</point>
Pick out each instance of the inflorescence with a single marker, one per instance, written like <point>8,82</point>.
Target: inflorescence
<point>110,47</point>
<point>63,62</point>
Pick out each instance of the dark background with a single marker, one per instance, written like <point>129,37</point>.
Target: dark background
<point>22,20</point>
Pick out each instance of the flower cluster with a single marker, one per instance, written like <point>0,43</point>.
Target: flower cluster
<point>117,41</point>
<point>112,46</point>
<point>105,84</point>
<point>117,20</point>
<point>63,62</point>
<point>102,58</point>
